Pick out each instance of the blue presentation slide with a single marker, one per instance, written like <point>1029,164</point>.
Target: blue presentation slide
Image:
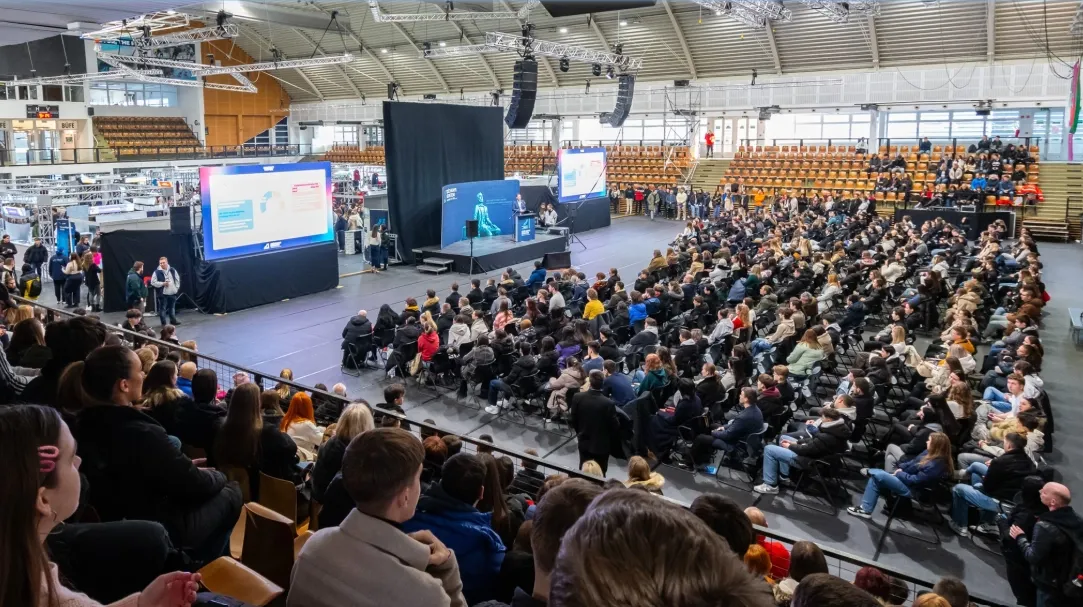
<point>255,209</point>
<point>490,202</point>
<point>581,174</point>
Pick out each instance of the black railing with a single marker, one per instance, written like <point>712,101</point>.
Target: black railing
<point>886,142</point>
<point>842,564</point>
<point>143,153</point>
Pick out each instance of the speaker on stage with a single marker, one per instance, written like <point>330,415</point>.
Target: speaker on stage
<point>180,220</point>
<point>471,228</point>
<point>523,94</point>
<point>625,90</point>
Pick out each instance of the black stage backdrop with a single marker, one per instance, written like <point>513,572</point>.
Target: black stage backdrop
<point>221,286</point>
<point>428,146</point>
<point>590,214</point>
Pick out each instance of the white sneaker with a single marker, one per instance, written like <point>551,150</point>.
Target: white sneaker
<point>492,410</point>
<point>960,531</point>
<point>858,512</point>
<point>766,489</point>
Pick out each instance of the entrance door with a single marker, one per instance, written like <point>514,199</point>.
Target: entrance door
<point>20,144</point>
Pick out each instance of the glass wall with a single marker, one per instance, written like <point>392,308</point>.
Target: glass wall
<point>540,132</point>
<point>632,132</point>
<point>815,127</point>
<point>968,127</point>
<point>133,93</point>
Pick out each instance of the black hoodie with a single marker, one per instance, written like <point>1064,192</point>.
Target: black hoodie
<point>357,329</point>
<point>1048,549</point>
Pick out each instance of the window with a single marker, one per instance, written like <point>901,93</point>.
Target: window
<point>282,132</point>
<point>73,93</point>
<point>52,92</point>
<point>129,93</point>
<point>346,134</point>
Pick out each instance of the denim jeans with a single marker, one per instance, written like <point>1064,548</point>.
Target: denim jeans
<point>759,345</point>
<point>880,481</point>
<point>167,307</point>
<point>496,388</point>
<point>965,496</point>
<point>776,460</point>
<point>966,459</point>
<point>997,399</point>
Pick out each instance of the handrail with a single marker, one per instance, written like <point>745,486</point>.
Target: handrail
<point>98,155</point>
<point>844,563</point>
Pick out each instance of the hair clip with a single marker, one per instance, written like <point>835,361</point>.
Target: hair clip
<point>48,455</point>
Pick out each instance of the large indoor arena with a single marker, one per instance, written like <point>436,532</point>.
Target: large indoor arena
<point>656,303</point>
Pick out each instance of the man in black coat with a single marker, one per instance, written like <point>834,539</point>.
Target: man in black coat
<point>476,296</point>
<point>358,332</point>
<point>36,255</point>
<point>444,321</point>
<point>7,248</point>
<point>594,418</point>
<point>1057,535</point>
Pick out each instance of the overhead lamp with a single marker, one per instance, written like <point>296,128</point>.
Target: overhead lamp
<point>383,50</point>
<point>564,64</point>
<point>442,43</point>
<point>623,23</point>
<point>596,69</point>
<point>564,30</point>
<point>609,72</point>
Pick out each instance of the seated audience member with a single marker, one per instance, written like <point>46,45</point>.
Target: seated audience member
<point>245,441</point>
<point>554,515</point>
<point>69,341</point>
<point>725,518</point>
<point>40,490</point>
<point>990,483</point>
<point>923,471</point>
<point>780,555</point>
<point>875,582</point>
<point>300,424</point>
<point>357,333</point>
<point>953,591</point>
<point>832,438</point>
<point>136,472</point>
<point>368,560</point>
<point>449,510</point>
<point>641,475</point>
<point>628,540</point>
<point>195,421</point>
<point>616,385</point>
<point>826,590</point>
<point>806,559</point>
<point>662,431</point>
<point>185,373</point>
<point>726,438</point>
<point>355,420</point>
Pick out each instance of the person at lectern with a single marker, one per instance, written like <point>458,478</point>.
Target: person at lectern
<point>520,204</point>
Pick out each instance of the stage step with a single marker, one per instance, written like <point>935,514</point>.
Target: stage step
<point>439,261</point>
<point>1044,229</point>
<point>431,269</point>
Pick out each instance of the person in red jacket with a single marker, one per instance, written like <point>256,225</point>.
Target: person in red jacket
<point>709,138</point>
<point>780,556</point>
<point>429,341</point>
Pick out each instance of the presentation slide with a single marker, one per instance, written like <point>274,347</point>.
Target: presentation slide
<point>581,174</point>
<point>490,202</point>
<point>253,209</point>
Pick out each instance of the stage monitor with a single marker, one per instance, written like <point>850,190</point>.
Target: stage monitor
<point>489,202</point>
<point>258,208</point>
<point>580,174</point>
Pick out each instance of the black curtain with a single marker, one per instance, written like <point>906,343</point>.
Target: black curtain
<point>536,195</point>
<point>590,214</point>
<point>428,146</point>
<point>120,251</point>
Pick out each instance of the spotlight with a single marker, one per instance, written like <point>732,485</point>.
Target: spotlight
<point>618,49</point>
<point>220,18</point>
<point>623,23</point>
<point>596,69</point>
<point>564,30</point>
<point>609,73</point>
<point>426,47</point>
<point>564,64</point>
<point>528,30</point>
<point>442,43</point>
<point>383,50</point>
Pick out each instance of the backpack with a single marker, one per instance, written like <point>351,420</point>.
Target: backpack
<point>33,288</point>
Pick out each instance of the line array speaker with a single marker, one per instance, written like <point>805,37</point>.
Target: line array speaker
<point>180,220</point>
<point>523,95</point>
<point>625,90</point>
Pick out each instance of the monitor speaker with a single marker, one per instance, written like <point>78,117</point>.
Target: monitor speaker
<point>180,220</point>
<point>523,94</point>
<point>90,111</point>
<point>471,228</point>
<point>557,261</point>
<point>625,90</point>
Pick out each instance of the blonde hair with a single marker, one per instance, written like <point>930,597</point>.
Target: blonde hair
<point>147,358</point>
<point>744,314</point>
<point>638,469</point>
<point>833,279</point>
<point>356,419</point>
<point>931,600</point>
<point>592,468</point>
<point>898,334</point>
<point>20,314</point>
<point>283,389</point>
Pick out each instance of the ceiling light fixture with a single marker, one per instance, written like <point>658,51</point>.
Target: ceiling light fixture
<point>623,23</point>
<point>383,50</point>
<point>564,30</point>
<point>565,65</point>
<point>442,43</point>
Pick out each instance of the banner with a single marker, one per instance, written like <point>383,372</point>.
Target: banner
<point>1072,121</point>
<point>489,202</point>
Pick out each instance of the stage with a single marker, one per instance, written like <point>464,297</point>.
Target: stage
<point>496,252</point>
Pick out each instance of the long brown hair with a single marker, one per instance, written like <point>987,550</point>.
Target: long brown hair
<point>25,564</point>
<point>939,449</point>
<point>283,388</point>
<point>492,499</point>
<point>960,393</point>
<point>810,340</point>
<point>238,442</point>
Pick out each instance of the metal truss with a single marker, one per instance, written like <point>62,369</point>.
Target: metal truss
<point>382,17</point>
<point>155,21</point>
<point>1076,28</point>
<point>76,78</point>
<point>201,69</point>
<point>203,34</point>
<point>839,12</point>
<point>753,13</point>
<point>498,42</point>
<point>119,62</point>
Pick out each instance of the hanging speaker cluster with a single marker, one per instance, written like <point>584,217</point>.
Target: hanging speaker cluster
<point>625,90</point>
<point>523,95</point>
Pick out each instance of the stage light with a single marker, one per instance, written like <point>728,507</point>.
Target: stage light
<point>564,30</point>
<point>609,73</point>
<point>442,43</point>
<point>426,46</point>
<point>564,64</point>
<point>623,23</point>
<point>383,50</point>
<point>596,69</point>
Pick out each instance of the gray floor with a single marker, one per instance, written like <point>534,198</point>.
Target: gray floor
<point>304,334</point>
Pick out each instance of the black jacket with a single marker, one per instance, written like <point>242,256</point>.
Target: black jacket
<point>1049,548</point>
<point>357,329</point>
<point>135,472</point>
<point>1006,473</point>
<point>643,339</point>
<point>444,322</point>
<point>594,417</point>
<point>710,391</point>
<point>527,482</point>
<point>770,403</point>
<point>829,440</point>
<point>475,296</point>
<point>36,255</point>
<point>453,300</point>
<point>523,367</point>
<point>195,424</point>
<point>328,464</point>
<point>610,351</point>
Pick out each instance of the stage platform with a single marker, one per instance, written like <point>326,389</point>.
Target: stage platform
<point>495,252</point>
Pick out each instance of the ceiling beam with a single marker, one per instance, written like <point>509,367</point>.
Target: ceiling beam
<point>364,49</point>
<point>342,70</point>
<point>774,48</point>
<point>484,62</point>
<point>252,33</point>
<point>598,32</point>
<point>680,38</point>
<point>544,60</point>
<point>874,43</point>
<point>990,30</point>
<point>429,62</point>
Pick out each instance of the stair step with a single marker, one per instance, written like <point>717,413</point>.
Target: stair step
<point>433,269</point>
<point>439,261</point>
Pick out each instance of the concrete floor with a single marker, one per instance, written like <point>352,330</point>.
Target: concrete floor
<point>304,334</point>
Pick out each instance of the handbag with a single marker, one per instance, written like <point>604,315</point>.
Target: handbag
<point>415,365</point>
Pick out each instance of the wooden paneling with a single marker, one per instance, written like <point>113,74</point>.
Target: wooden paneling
<point>233,118</point>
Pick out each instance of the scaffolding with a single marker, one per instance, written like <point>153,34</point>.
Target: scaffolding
<point>683,106</point>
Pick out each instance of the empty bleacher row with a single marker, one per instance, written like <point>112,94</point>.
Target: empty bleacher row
<point>136,135</point>
<point>529,159</point>
<point>642,164</point>
<point>372,155</point>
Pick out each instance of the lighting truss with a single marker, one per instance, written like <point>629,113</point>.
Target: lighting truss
<point>203,34</point>
<point>498,42</point>
<point>201,69</point>
<point>753,13</point>
<point>155,21</point>
<point>74,78</point>
<point>839,12</point>
<point>119,63</point>
<point>380,16</point>
<point>1077,23</point>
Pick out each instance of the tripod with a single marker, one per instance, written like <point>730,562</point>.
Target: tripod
<point>472,262</point>
<point>573,211</point>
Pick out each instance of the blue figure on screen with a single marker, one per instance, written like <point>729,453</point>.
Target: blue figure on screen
<point>485,225</point>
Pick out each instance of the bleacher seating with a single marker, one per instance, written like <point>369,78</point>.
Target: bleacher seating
<point>529,159</point>
<point>371,155</point>
<point>143,136</point>
<point>641,164</point>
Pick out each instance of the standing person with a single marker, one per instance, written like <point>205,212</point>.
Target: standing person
<point>340,230</point>
<point>7,248</point>
<point>385,246</point>
<point>56,272</point>
<point>73,280</point>
<point>135,290</point>
<point>1057,536</point>
<point>36,255</point>
<point>93,274</point>
<point>375,249</point>
<point>682,204</point>
<point>356,179</point>
<point>709,139</point>
<point>653,199</point>
<point>166,283</point>
<point>594,418</point>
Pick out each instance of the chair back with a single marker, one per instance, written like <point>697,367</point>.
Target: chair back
<point>227,577</point>
<point>279,495</point>
<point>268,543</point>
<point>240,476</point>
<point>754,441</point>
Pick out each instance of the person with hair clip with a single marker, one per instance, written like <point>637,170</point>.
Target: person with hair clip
<point>41,486</point>
<point>136,472</point>
<point>932,465</point>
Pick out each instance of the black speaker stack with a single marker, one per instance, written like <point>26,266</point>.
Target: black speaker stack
<point>180,220</point>
<point>471,228</point>
<point>523,95</point>
<point>625,90</point>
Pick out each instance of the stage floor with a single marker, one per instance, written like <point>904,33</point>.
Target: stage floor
<point>496,252</point>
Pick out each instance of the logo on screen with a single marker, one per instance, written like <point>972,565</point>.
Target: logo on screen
<point>451,194</point>
<point>272,245</point>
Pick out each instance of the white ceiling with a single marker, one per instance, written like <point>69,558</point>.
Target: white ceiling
<point>22,20</point>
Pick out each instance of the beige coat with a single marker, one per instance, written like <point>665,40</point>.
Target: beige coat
<point>366,562</point>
